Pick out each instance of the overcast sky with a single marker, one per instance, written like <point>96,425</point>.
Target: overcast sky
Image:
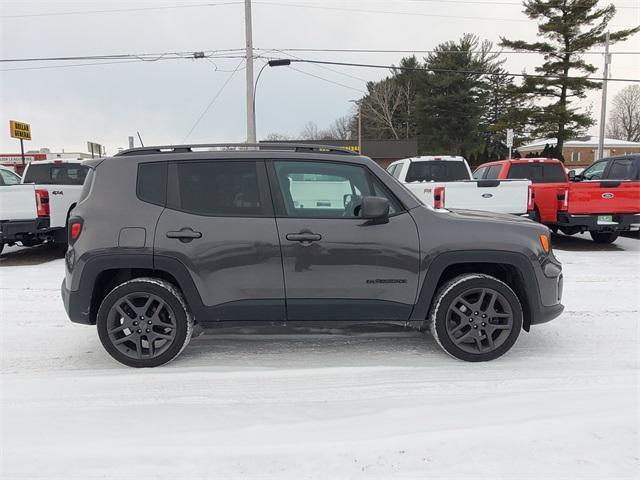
<point>106,103</point>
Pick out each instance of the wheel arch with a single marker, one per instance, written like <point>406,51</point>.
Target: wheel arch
<point>514,269</point>
<point>102,274</point>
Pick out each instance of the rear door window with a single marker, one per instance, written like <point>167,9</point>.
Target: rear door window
<point>56,174</point>
<point>493,172</point>
<point>437,171</point>
<point>216,188</point>
<point>622,169</point>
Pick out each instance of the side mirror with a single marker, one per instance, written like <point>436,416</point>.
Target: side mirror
<point>572,174</point>
<point>375,208</point>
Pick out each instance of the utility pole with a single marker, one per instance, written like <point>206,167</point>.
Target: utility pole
<point>603,108</point>
<point>251,112</point>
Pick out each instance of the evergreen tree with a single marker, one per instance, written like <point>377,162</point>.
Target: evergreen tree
<point>567,28</point>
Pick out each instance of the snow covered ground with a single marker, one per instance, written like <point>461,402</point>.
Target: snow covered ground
<point>564,403</point>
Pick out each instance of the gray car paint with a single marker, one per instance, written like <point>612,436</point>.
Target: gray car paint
<point>240,258</point>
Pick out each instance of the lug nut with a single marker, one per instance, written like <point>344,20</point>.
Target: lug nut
<point>135,324</point>
<point>484,324</point>
<point>475,326</point>
<point>149,322</point>
<point>484,316</point>
<point>148,330</point>
<point>139,331</point>
<point>141,317</point>
<point>475,313</point>
<point>471,320</point>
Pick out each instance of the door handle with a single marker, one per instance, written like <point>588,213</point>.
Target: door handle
<point>303,236</point>
<point>184,234</point>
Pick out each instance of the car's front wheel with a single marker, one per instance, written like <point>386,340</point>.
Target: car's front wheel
<point>475,317</point>
<point>144,322</point>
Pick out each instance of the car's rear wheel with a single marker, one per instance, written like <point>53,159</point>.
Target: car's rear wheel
<point>144,323</point>
<point>476,317</point>
<point>604,237</point>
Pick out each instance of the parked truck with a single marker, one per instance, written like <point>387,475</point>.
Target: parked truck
<point>603,200</point>
<point>36,208</point>
<point>446,182</point>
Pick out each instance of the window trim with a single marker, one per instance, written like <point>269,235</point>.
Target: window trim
<point>278,200</point>
<point>261,177</point>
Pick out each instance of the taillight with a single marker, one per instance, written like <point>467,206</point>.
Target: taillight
<point>74,229</point>
<point>42,203</point>
<point>438,197</point>
<point>530,199</point>
<point>563,200</point>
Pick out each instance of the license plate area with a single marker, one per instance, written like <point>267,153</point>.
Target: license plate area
<point>606,220</point>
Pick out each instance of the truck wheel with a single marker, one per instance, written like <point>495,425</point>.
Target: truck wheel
<point>604,237</point>
<point>144,322</point>
<point>475,317</point>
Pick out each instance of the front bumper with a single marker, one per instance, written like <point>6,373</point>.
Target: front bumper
<point>620,222</point>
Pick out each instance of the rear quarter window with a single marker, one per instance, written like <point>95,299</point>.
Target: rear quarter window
<point>152,183</point>
<point>493,172</point>
<point>623,169</point>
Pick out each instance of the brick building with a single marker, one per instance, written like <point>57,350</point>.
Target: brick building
<point>581,152</point>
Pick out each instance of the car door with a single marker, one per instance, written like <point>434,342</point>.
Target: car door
<point>338,266</point>
<point>219,223</point>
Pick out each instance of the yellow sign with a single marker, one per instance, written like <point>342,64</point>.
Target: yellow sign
<point>20,130</point>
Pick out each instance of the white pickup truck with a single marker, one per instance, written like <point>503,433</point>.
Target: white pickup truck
<point>36,208</point>
<point>446,181</point>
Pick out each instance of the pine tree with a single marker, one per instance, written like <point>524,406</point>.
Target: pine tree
<point>568,28</point>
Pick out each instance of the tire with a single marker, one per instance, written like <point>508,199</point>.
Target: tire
<point>604,237</point>
<point>144,322</point>
<point>463,332</point>
<point>1,248</point>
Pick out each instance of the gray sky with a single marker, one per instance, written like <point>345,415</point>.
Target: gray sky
<point>66,107</point>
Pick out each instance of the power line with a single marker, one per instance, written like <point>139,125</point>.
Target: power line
<point>213,100</point>
<point>470,72</point>
<point>386,12</point>
<point>372,50</point>
<point>119,10</point>
<point>324,67</point>
<point>136,56</point>
<point>325,79</point>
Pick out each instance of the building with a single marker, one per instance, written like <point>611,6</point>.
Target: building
<point>14,160</point>
<point>581,152</point>
<point>383,152</point>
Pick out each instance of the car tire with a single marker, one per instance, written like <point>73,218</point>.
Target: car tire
<point>1,248</point>
<point>475,317</point>
<point>604,237</point>
<point>144,322</point>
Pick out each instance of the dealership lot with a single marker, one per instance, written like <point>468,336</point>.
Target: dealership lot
<point>326,403</point>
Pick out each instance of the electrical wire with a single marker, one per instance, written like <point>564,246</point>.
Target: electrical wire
<point>119,10</point>
<point>326,79</point>
<point>213,100</point>
<point>371,50</point>
<point>149,56</point>
<point>470,72</point>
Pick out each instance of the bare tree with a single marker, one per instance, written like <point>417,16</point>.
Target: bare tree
<point>310,132</point>
<point>341,128</point>
<point>381,106</point>
<point>276,137</point>
<point>624,119</point>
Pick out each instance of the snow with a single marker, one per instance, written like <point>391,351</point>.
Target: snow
<point>353,403</point>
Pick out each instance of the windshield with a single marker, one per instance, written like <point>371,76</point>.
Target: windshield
<point>56,174</point>
<point>437,171</point>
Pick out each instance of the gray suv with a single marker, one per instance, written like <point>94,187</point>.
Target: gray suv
<point>165,239</point>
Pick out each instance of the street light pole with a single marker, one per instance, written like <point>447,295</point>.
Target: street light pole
<point>270,63</point>
<point>251,114</point>
<point>603,108</point>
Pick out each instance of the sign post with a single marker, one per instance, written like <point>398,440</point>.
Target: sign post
<point>509,140</point>
<point>21,131</point>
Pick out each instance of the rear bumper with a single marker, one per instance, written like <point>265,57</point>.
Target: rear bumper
<point>75,305</point>
<point>17,230</point>
<point>620,222</point>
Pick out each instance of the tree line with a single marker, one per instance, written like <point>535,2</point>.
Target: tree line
<point>460,100</point>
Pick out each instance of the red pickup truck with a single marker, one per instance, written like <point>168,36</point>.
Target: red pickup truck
<point>603,200</point>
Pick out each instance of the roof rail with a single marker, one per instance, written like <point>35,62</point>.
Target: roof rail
<point>296,147</point>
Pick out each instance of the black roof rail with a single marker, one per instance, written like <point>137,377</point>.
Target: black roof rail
<point>296,147</point>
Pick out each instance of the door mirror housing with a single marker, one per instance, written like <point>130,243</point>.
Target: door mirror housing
<point>375,208</point>
<point>572,174</point>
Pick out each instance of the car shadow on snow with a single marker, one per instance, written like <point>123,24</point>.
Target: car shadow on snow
<point>581,243</point>
<point>18,256</point>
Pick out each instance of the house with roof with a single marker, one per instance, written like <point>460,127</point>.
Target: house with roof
<point>581,152</point>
